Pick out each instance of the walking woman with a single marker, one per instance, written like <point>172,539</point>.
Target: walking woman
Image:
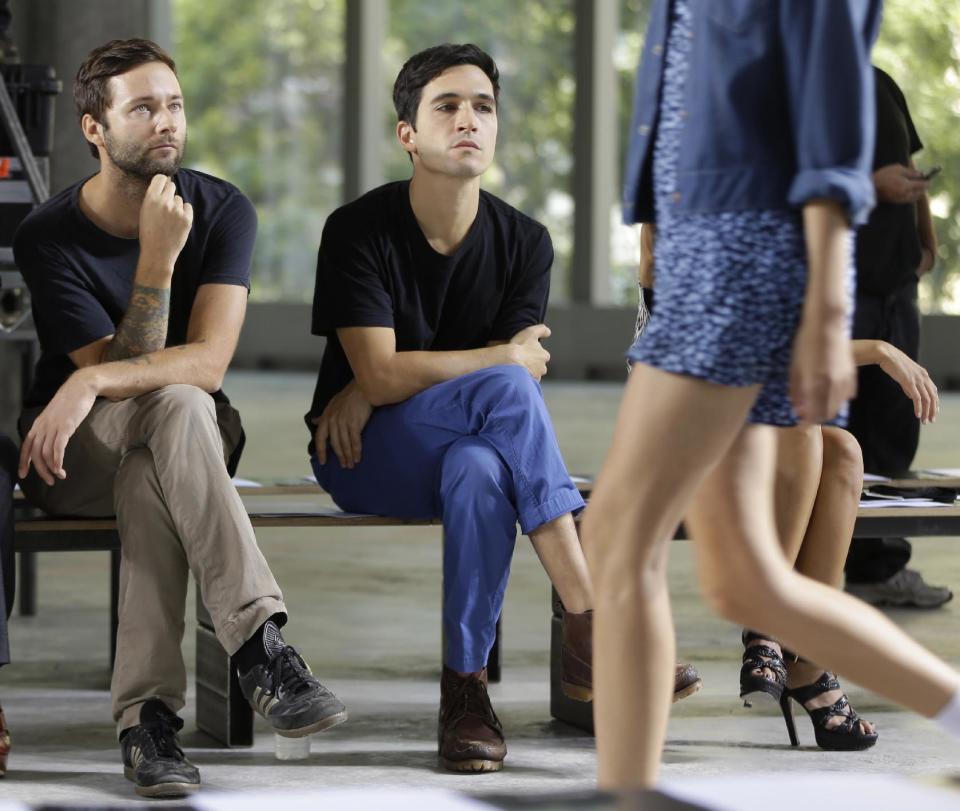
<point>753,135</point>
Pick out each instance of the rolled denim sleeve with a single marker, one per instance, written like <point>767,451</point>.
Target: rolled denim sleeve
<point>826,51</point>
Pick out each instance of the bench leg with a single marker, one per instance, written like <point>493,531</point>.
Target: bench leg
<point>222,711</point>
<point>27,587</point>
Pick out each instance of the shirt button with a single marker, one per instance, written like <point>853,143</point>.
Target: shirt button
<point>643,129</point>
<point>657,50</point>
<point>676,197</point>
<point>684,114</point>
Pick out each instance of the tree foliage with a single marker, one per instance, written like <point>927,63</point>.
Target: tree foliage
<point>264,88</point>
<point>919,47</point>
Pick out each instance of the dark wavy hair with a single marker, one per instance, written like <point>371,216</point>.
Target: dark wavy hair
<point>422,68</point>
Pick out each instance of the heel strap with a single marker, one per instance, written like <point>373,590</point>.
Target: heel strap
<point>762,656</point>
<point>820,715</point>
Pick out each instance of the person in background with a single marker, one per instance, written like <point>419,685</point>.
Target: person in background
<point>895,248</point>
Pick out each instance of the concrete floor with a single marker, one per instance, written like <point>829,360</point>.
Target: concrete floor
<point>364,607</point>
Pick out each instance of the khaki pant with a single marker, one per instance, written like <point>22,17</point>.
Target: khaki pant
<point>157,462</point>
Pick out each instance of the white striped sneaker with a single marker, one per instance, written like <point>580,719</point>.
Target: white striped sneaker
<point>289,696</point>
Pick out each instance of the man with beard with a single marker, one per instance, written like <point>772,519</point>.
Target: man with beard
<point>139,277</point>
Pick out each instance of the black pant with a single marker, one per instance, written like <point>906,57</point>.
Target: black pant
<point>8,476</point>
<point>883,421</point>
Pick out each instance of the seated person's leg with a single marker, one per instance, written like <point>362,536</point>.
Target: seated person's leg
<point>480,452</point>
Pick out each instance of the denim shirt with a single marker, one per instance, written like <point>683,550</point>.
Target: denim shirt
<point>780,107</point>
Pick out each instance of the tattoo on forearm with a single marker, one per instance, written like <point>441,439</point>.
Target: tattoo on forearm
<point>143,328</point>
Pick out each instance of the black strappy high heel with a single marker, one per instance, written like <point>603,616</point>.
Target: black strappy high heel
<point>758,657</point>
<point>843,737</point>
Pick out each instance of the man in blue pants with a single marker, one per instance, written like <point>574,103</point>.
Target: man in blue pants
<point>432,294</point>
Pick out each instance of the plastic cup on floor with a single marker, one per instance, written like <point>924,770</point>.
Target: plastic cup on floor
<point>292,748</point>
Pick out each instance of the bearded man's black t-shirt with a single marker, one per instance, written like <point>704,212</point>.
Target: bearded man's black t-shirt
<point>376,269</point>
<point>80,277</point>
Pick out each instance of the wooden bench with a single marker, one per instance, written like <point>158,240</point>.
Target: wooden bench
<point>221,710</point>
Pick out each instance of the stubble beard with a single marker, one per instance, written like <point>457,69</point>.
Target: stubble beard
<point>135,161</point>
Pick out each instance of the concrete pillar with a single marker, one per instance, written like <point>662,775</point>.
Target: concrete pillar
<point>594,149</point>
<point>363,97</point>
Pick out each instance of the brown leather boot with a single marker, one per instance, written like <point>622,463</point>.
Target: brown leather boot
<point>469,734</point>
<point>576,672</point>
<point>4,744</point>
<point>686,681</point>
<point>576,656</point>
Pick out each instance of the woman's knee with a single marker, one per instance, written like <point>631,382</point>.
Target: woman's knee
<point>842,459</point>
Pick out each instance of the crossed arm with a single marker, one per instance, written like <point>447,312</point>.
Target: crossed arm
<point>382,376</point>
<point>133,362</point>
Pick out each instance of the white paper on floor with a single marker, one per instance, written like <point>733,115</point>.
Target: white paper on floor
<point>357,799</point>
<point>801,792</point>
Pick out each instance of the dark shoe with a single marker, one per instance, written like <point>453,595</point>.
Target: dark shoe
<point>469,734</point>
<point>906,589</point>
<point>152,757</point>
<point>576,656</point>
<point>686,682</point>
<point>846,735</point>
<point>289,696</point>
<point>759,660</point>
<point>4,744</point>
<point>576,671</point>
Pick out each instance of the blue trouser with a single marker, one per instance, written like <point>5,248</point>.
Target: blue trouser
<point>478,452</point>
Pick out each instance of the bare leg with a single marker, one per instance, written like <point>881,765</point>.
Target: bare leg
<point>749,581</point>
<point>827,540</point>
<point>670,432</point>
<point>830,530</point>
<point>797,478</point>
<point>558,547</point>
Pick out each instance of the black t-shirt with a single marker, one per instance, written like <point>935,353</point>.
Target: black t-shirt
<point>80,277</point>
<point>376,269</point>
<point>888,246</point>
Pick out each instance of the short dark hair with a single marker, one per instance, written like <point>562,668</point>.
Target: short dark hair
<point>422,68</point>
<point>91,93</point>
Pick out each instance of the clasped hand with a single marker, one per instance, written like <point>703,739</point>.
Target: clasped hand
<point>342,423</point>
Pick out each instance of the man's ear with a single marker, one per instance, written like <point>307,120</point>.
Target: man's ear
<point>92,130</point>
<point>407,136</point>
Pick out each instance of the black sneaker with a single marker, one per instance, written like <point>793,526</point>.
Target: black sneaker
<point>152,757</point>
<point>287,694</point>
